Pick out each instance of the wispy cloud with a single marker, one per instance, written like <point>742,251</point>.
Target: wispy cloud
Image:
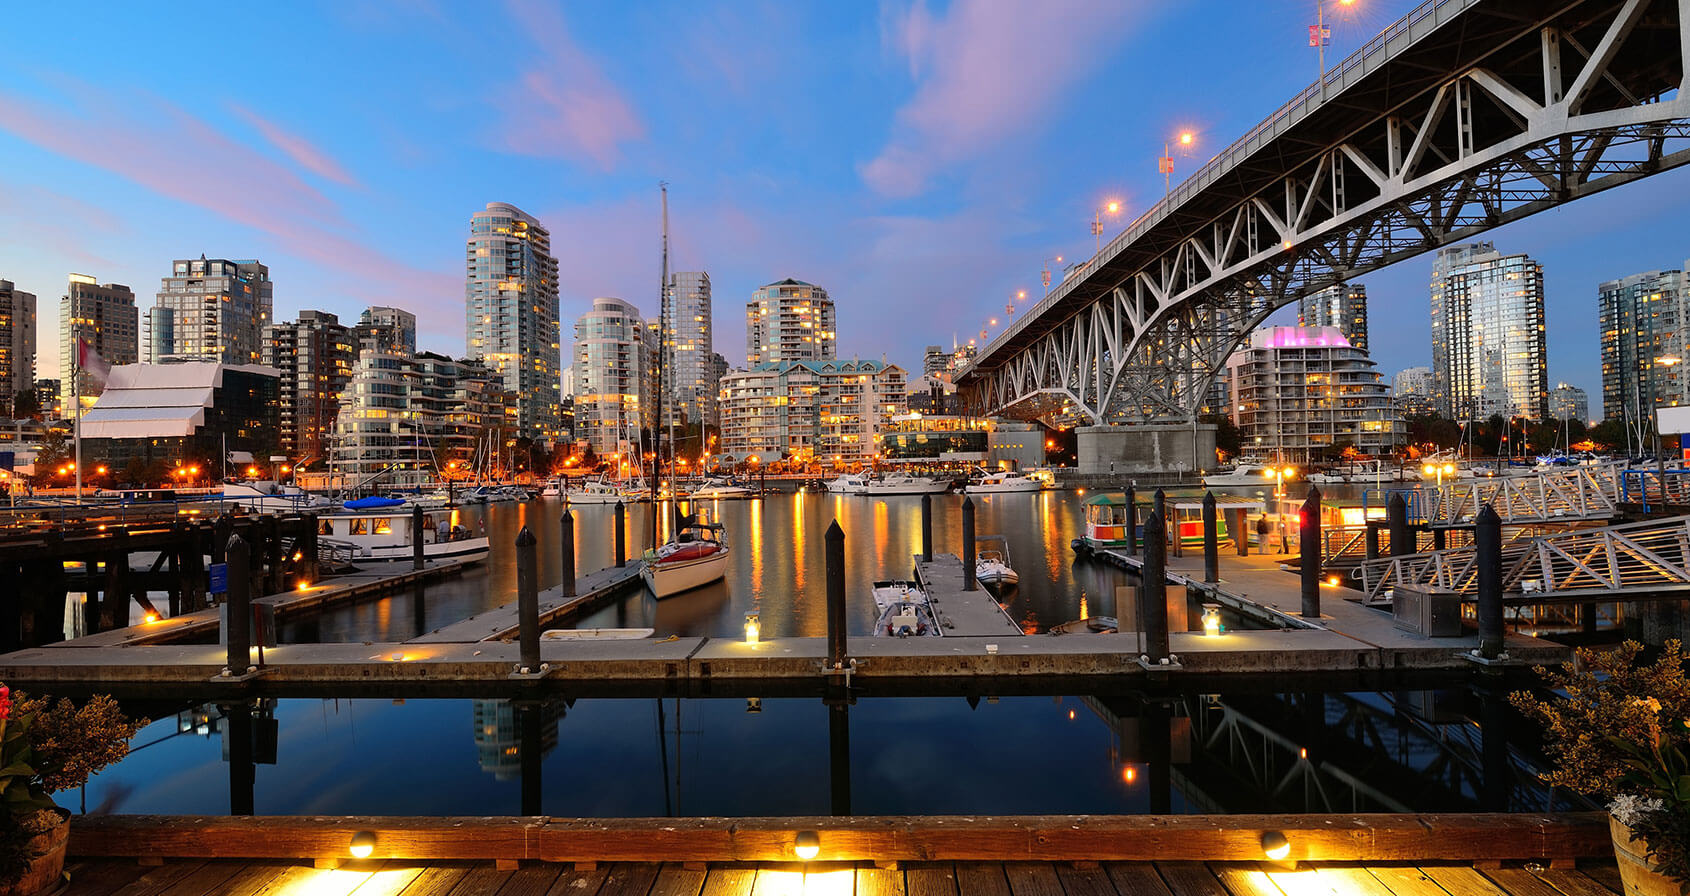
<point>565,105</point>
<point>984,70</point>
<point>302,151</point>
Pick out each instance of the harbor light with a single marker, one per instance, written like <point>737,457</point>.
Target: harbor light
<point>363,844</point>
<point>1275,846</point>
<point>807,845</point>
<point>753,629</point>
<point>1211,621</point>
<point>151,617</point>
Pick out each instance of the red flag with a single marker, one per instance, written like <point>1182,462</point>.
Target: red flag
<point>91,362</point>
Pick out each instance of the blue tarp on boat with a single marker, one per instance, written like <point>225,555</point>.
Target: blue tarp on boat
<point>373,503</point>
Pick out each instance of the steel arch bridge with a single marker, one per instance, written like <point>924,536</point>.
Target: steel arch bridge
<point>1462,116</point>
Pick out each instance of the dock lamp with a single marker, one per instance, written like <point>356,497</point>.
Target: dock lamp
<point>753,628</point>
<point>1275,846</point>
<point>807,845</point>
<point>1438,472</point>
<point>363,844</point>
<point>1279,475</point>
<point>1211,621</point>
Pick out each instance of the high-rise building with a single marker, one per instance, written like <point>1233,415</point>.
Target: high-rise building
<point>1489,355</point>
<point>423,412</point>
<point>382,329</point>
<point>17,344</point>
<point>613,381</point>
<point>1302,393</point>
<point>1568,402</point>
<point>789,321</point>
<point>1412,392</point>
<point>210,309</point>
<point>511,311</point>
<point>314,356</point>
<point>1343,306</point>
<point>687,346</point>
<point>810,411</point>
<point>1643,320</point>
<point>934,361</point>
<point>105,317</point>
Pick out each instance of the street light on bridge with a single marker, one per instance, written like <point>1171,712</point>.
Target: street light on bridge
<point>1166,162</point>
<point>1045,274</point>
<point>1113,207</point>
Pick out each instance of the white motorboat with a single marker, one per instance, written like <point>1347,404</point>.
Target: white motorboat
<point>907,618</point>
<point>598,492</point>
<point>378,530</point>
<point>717,488</point>
<point>274,497</point>
<point>1241,474</point>
<point>1003,481</point>
<point>553,489</point>
<point>696,557</point>
<point>888,593</point>
<point>992,569</point>
<point>849,484</point>
<point>905,484</point>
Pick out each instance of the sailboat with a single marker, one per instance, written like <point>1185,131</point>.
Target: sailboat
<point>696,554</point>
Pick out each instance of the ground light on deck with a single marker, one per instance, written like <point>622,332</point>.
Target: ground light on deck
<point>807,845</point>
<point>363,844</point>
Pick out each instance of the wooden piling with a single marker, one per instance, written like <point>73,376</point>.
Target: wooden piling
<point>970,579</point>
<point>1309,564</point>
<point>527,601</point>
<point>1487,549</point>
<point>1154,601</point>
<point>238,612</point>
<point>835,571</point>
<point>1211,541</point>
<point>566,526</point>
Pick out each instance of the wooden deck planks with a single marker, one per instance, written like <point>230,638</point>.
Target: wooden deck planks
<point>672,880</point>
<point>571,882</point>
<point>982,879</point>
<point>930,880</point>
<point>729,882</point>
<point>1136,879</point>
<point>1191,879</point>
<point>437,880</point>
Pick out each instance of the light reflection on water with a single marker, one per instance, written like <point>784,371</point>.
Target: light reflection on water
<point>777,568</point>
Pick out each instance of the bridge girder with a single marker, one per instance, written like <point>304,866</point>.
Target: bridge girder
<point>1563,104</point>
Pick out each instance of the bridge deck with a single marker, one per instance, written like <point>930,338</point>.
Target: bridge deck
<point>98,877</point>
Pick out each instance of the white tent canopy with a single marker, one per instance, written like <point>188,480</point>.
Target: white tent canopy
<point>152,401</point>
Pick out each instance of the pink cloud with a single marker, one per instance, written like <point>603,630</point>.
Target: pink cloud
<point>299,149</point>
<point>564,106</point>
<point>985,70</point>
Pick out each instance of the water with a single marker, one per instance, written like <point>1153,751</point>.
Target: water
<point>1441,750</point>
<point>776,568</point>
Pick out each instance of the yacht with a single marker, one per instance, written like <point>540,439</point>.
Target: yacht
<point>553,489</point>
<point>905,484</point>
<point>262,496</point>
<point>598,492</point>
<point>717,488</point>
<point>378,530</point>
<point>849,484</point>
<point>1245,472</point>
<point>1001,482</point>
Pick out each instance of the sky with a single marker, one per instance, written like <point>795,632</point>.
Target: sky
<point>919,160</point>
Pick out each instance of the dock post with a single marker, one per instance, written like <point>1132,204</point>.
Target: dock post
<point>1372,542</point>
<point>1487,548</point>
<point>1155,598</point>
<point>1132,521</point>
<point>527,602</point>
<point>1211,541</point>
<point>621,535</point>
<point>927,528</point>
<point>1396,525</point>
<point>238,610</point>
<point>1159,506</point>
<point>416,537</point>
<point>220,532</point>
<point>567,526</point>
<point>1241,531</point>
<point>1309,546</point>
<point>835,556</point>
<point>308,550</point>
<point>272,530</point>
<point>969,580</point>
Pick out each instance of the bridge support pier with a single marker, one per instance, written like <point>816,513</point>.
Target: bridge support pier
<point>1146,448</point>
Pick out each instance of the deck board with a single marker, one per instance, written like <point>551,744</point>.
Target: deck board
<point>122,877</point>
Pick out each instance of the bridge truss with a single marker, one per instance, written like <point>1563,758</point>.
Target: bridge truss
<point>1463,116</point>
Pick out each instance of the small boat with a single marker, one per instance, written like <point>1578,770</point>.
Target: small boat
<point>992,569</point>
<point>889,593</point>
<point>717,488</point>
<point>1106,524</point>
<point>905,484</point>
<point>907,618</point>
<point>378,530</point>
<point>696,557</point>
<point>1103,625</point>
<point>597,634</point>
<point>273,497</point>
<point>1244,473</point>
<point>598,492</point>
<point>553,489</point>
<point>849,484</point>
<point>1003,481</point>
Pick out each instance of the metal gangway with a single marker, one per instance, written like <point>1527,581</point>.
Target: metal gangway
<point>1564,494</point>
<point>1626,562</point>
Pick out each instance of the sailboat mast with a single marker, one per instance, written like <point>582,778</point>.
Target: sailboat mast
<point>662,336</point>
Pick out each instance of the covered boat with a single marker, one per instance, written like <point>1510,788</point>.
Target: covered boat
<point>697,557</point>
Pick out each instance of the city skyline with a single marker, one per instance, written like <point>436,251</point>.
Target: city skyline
<point>897,166</point>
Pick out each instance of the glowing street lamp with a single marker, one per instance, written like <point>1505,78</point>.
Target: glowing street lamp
<point>1437,472</point>
<point>1166,162</point>
<point>1279,475</point>
<point>1112,207</point>
<point>1320,35</point>
<point>1045,274</point>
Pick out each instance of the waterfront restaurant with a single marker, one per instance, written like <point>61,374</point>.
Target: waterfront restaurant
<point>933,439</point>
<point>172,412</point>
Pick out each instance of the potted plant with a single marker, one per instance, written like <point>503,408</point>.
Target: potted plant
<point>1618,731</point>
<point>45,747</point>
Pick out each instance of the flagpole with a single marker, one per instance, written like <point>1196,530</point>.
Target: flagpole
<point>76,424</point>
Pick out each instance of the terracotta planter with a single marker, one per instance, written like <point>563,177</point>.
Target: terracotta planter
<point>1637,872</point>
<point>47,873</point>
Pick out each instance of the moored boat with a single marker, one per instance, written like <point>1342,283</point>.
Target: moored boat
<point>697,557</point>
<point>1001,482</point>
<point>378,530</point>
<point>992,569</point>
<point>905,484</point>
<point>849,484</point>
<point>907,618</point>
<point>717,488</point>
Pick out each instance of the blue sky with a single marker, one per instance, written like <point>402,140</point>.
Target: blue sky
<point>919,160</point>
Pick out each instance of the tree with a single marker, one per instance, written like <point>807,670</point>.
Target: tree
<point>54,453</point>
<point>1228,439</point>
<point>1609,435</point>
<point>1433,430</point>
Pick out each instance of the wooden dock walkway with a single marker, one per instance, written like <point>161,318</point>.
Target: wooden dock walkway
<point>119,877</point>
<point>500,623</point>
<point>962,614</point>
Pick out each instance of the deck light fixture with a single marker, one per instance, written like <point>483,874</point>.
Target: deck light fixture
<point>1275,846</point>
<point>754,704</point>
<point>363,844</point>
<point>1211,621</point>
<point>753,629</point>
<point>807,845</point>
